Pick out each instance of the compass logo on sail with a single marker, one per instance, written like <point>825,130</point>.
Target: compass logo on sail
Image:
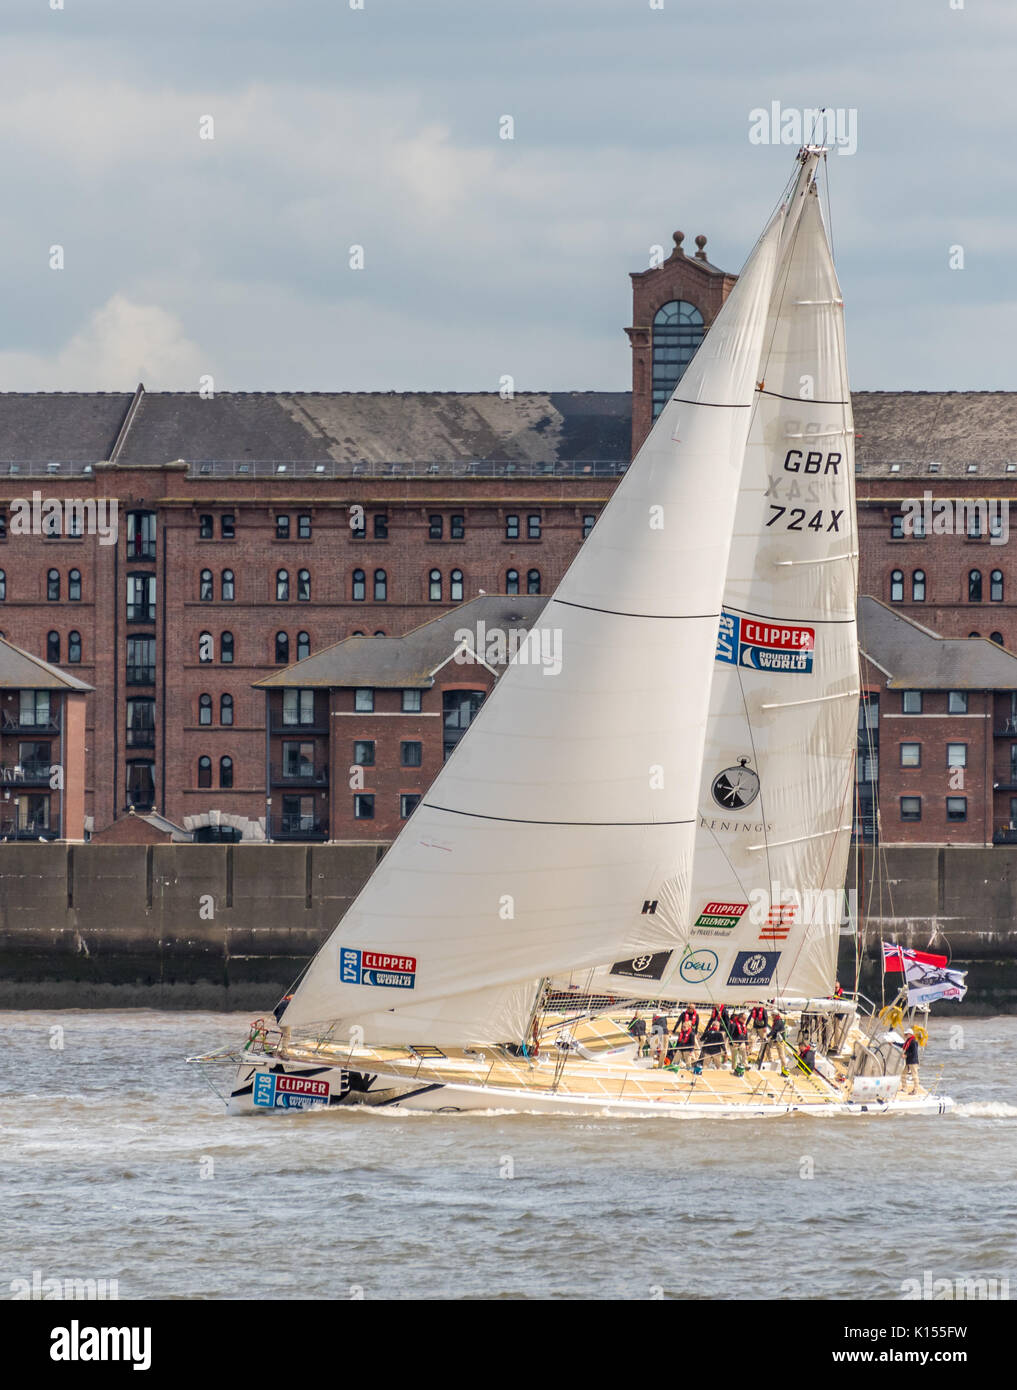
<point>736,787</point>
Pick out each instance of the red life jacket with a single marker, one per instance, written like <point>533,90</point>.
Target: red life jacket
<point>759,1014</point>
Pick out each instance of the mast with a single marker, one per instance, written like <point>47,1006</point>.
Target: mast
<point>568,805</point>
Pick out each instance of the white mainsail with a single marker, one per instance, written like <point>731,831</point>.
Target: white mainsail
<point>778,773</point>
<point>572,800</point>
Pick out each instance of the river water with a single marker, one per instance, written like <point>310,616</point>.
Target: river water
<point>120,1163</point>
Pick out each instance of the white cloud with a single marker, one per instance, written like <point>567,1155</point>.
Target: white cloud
<point>122,343</point>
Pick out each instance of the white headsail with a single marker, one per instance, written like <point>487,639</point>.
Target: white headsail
<point>572,800</point>
<point>775,803</point>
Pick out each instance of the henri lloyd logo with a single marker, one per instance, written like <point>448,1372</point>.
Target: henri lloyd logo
<point>754,968</point>
<point>375,968</point>
<point>764,646</point>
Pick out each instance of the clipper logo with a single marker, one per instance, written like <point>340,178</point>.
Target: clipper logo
<point>718,918</point>
<point>376,968</point>
<point>278,1091</point>
<point>697,966</point>
<point>764,646</point>
<point>754,968</point>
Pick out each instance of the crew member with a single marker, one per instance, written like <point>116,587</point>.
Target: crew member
<point>688,1015</point>
<point>775,1039</point>
<point>683,1043</point>
<point>758,1024</point>
<point>713,1044</point>
<point>638,1030</point>
<point>910,1065</point>
<point>739,1035</point>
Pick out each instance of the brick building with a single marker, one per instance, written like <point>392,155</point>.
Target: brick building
<point>253,530</point>
<point>42,749</point>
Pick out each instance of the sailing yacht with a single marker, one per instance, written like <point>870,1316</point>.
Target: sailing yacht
<point>668,818</point>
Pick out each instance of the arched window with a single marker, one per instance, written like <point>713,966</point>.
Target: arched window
<point>996,637</point>
<point>974,634</point>
<point>456,586</point>
<point>380,586</point>
<point>918,586</point>
<point>358,633</point>
<point>74,586</point>
<point>205,651</point>
<point>512,582</point>
<point>974,586</point>
<point>226,772</point>
<point>225,709</point>
<point>897,586</point>
<point>359,586</point>
<point>303,646</point>
<point>282,585</point>
<point>204,709</point>
<point>533,581</point>
<point>3,585</point>
<point>434,586</point>
<point>53,586</point>
<point>677,332</point>
<point>74,648</point>
<point>204,772</point>
<point>205,592</point>
<point>53,647</point>
<point>304,586</point>
<point>282,648</point>
<point>379,633</point>
<point>226,648</point>
<point>996,586</point>
<point>228,588</point>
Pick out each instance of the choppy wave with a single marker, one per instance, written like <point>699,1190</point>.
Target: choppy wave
<point>987,1110</point>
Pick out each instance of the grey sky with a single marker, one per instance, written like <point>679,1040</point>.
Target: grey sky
<point>483,256</point>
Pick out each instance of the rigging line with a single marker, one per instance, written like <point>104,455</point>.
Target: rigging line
<point>619,613</point>
<point>800,839</point>
<point>522,820</point>
<point>778,622</point>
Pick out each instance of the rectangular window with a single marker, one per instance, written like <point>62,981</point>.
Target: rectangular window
<point>956,808</point>
<point>34,707</point>
<point>911,808</point>
<point>298,759</point>
<point>411,701</point>
<point>3,523</point>
<point>435,527</point>
<point>589,521</point>
<point>381,526</point>
<point>407,801</point>
<point>141,661</point>
<point>358,525</point>
<point>206,527</point>
<point>227,526</point>
<point>298,707</point>
<point>282,528</point>
<point>957,702</point>
<point>410,754</point>
<point>363,806</point>
<point>911,755</point>
<point>363,752</point>
<point>457,528</point>
<point>141,598</point>
<point>533,526</point>
<point>956,755</point>
<point>304,528</point>
<point>363,701</point>
<point>897,527</point>
<point>911,701</point>
<point>511,528</point>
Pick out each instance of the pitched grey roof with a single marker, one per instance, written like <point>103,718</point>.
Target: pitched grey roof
<point>952,428</point>
<point>917,659</point>
<point>408,661</point>
<point>21,670</point>
<point>391,426</point>
<point>57,426</point>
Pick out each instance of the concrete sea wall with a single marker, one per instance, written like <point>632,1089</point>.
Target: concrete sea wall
<point>231,926</point>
